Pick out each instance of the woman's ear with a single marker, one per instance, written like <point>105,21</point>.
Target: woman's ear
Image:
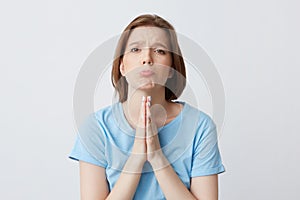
<point>122,70</point>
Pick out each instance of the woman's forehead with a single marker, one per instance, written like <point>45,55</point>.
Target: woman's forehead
<point>148,35</point>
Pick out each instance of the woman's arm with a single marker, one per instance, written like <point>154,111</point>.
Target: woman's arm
<point>94,186</point>
<point>93,183</point>
<point>128,181</point>
<point>168,180</point>
<point>205,187</point>
<point>170,183</point>
<point>202,188</point>
<point>93,180</point>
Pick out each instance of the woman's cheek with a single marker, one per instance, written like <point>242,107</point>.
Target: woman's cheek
<point>131,61</point>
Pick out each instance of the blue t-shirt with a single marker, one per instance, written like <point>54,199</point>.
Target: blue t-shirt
<point>189,142</point>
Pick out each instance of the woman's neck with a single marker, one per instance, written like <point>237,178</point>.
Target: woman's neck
<point>132,105</point>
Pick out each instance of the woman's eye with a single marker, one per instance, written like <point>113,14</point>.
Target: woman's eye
<point>160,51</point>
<point>134,49</point>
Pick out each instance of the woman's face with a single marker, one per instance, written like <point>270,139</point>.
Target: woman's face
<point>147,60</point>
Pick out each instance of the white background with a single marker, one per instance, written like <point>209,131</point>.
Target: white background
<point>254,45</point>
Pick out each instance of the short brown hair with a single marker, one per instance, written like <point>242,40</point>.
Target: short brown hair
<point>175,84</point>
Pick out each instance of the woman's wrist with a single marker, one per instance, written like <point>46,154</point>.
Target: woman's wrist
<point>158,160</point>
<point>134,164</point>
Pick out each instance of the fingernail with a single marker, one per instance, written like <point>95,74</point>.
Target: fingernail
<point>143,98</point>
<point>149,98</point>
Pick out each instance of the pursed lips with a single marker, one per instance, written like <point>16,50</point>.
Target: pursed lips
<point>146,73</point>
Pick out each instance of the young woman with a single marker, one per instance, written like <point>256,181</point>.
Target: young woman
<point>148,145</point>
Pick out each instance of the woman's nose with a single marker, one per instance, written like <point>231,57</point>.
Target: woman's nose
<point>147,58</point>
<point>147,62</point>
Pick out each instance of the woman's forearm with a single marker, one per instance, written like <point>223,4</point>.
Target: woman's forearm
<point>170,183</point>
<point>128,181</point>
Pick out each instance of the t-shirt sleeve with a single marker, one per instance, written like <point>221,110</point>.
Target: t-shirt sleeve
<point>206,156</point>
<point>90,143</point>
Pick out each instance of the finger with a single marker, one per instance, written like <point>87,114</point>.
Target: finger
<point>148,117</point>
<point>150,125</point>
<point>140,130</point>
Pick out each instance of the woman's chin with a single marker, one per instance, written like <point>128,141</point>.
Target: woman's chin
<point>142,84</point>
<point>147,86</point>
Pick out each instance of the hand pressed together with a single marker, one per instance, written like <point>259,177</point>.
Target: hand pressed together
<point>146,145</point>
